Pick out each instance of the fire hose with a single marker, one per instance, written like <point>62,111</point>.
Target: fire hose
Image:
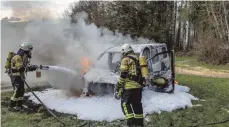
<point>213,123</point>
<point>49,111</point>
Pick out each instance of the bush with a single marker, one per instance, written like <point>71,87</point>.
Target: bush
<point>212,51</point>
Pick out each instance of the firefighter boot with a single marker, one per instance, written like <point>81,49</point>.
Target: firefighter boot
<point>13,106</point>
<point>130,122</point>
<point>12,103</point>
<point>139,122</point>
<point>22,107</point>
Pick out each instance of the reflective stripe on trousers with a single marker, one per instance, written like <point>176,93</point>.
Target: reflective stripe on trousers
<point>138,116</point>
<point>19,89</point>
<point>13,98</point>
<point>128,115</point>
<point>16,74</point>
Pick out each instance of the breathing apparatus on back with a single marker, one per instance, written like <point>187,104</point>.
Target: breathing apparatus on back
<point>141,63</point>
<point>8,60</point>
<point>24,52</point>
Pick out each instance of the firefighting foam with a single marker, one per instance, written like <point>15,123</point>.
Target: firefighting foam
<point>107,108</point>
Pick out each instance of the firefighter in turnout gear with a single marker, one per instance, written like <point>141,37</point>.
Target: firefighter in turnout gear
<point>129,87</point>
<point>19,65</point>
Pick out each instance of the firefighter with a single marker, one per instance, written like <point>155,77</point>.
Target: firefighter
<point>129,87</point>
<point>20,64</point>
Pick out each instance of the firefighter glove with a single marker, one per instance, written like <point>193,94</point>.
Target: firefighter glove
<point>32,67</point>
<point>117,96</point>
<point>118,93</point>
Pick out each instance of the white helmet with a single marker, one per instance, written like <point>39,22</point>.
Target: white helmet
<point>26,46</point>
<point>126,48</point>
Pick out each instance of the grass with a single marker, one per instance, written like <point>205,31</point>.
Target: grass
<point>190,62</point>
<point>213,90</point>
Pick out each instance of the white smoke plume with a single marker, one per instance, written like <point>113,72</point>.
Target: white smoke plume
<point>28,10</point>
<point>64,44</point>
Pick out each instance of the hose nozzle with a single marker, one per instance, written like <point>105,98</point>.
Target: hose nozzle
<point>43,67</point>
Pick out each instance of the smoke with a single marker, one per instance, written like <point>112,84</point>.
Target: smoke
<point>28,10</point>
<point>63,44</point>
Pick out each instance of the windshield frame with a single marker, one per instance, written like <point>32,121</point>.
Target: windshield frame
<point>107,62</point>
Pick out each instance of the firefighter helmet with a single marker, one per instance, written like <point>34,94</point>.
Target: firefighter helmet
<point>26,46</point>
<point>126,48</point>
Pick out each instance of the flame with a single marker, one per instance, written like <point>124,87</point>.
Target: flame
<point>85,65</point>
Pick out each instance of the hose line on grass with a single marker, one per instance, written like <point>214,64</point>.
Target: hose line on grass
<point>50,112</point>
<point>208,124</point>
<point>214,123</point>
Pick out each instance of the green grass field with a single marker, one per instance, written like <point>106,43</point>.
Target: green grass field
<point>215,92</point>
<point>190,62</point>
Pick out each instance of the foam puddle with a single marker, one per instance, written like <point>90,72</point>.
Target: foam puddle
<point>107,108</point>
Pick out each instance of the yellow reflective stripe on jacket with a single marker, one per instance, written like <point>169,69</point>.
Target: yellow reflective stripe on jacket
<point>139,116</point>
<point>121,82</point>
<point>131,84</point>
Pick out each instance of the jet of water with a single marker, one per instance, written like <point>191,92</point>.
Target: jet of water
<point>65,78</point>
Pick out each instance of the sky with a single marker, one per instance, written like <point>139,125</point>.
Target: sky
<point>31,9</point>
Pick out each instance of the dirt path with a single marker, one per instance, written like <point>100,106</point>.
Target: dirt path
<point>201,72</point>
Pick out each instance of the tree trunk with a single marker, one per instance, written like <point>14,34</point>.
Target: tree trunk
<point>178,36</point>
<point>226,21</point>
<point>211,20</point>
<point>216,21</point>
<point>181,38</point>
<point>186,33</point>
<point>176,25</point>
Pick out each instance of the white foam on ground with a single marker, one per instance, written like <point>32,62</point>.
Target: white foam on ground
<point>108,108</point>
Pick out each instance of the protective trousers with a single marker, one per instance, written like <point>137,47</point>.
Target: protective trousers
<point>17,97</point>
<point>132,107</point>
<point>12,81</point>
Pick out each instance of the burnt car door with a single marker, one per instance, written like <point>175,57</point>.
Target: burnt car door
<point>158,69</point>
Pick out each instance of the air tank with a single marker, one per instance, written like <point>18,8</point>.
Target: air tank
<point>143,65</point>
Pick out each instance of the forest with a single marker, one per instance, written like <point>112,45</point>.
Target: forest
<point>198,28</point>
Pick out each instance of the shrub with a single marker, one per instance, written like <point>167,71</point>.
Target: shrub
<point>212,51</point>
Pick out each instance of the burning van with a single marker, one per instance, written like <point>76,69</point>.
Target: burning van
<point>101,78</point>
